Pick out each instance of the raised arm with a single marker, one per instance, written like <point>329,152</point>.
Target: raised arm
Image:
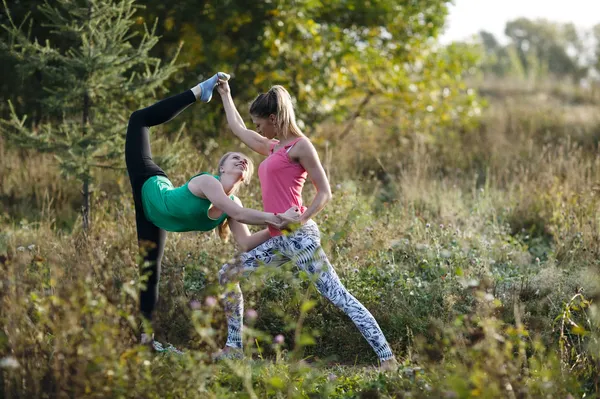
<point>206,186</point>
<point>307,156</point>
<point>242,236</point>
<point>251,138</point>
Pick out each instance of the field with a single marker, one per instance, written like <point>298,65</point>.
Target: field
<point>477,253</point>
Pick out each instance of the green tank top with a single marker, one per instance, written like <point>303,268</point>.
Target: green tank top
<point>177,209</point>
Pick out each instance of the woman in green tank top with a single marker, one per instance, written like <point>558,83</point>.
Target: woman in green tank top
<point>203,203</point>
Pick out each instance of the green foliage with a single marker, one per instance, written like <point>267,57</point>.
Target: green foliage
<point>92,65</point>
<point>332,56</point>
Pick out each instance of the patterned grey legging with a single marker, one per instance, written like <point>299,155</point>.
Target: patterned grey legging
<point>304,248</point>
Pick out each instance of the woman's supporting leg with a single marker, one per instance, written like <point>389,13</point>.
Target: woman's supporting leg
<point>233,303</point>
<point>268,253</point>
<point>304,247</point>
<point>152,245</point>
<point>330,286</point>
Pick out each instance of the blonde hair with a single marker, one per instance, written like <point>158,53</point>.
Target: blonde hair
<point>223,229</point>
<point>277,101</point>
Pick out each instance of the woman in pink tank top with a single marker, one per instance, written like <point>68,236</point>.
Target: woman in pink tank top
<point>290,159</point>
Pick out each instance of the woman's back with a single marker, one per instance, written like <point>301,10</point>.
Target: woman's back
<point>177,209</point>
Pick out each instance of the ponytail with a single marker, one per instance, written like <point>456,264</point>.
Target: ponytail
<point>224,231</point>
<point>277,101</point>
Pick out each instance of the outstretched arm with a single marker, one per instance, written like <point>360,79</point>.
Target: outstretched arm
<point>252,139</point>
<point>206,186</point>
<point>307,156</point>
<point>242,236</point>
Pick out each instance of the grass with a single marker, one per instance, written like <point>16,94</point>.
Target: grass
<point>478,257</point>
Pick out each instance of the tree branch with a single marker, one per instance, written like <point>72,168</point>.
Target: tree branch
<point>357,113</point>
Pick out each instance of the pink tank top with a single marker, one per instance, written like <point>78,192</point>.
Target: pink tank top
<point>281,182</point>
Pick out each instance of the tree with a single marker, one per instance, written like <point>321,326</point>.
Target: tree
<point>92,66</point>
<point>496,58</point>
<point>555,47</point>
<point>12,86</point>
<point>332,55</point>
<point>596,37</point>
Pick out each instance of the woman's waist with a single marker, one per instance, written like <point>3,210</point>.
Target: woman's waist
<point>281,200</point>
<point>281,207</point>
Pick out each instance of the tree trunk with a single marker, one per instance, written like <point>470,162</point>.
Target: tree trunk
<point>85,209</point>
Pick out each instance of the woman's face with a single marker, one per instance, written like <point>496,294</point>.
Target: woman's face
<point>236,164</point>
<point>265,126</point>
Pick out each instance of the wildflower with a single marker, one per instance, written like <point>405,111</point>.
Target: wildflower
<point>251,314</point>
<point>210,301</point>
<point>427,226</point>
<point>195,305</point>
<point>31,247</point>
<point>279,339</point>
<point>332,377</point>
<point>441,226</point>
<point>356,258</point>
<point>21,249</point>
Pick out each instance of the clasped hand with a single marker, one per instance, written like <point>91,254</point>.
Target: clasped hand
<point>283,220</point>
<point>223,87</point>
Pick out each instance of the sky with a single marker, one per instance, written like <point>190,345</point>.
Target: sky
<point>467,17</point>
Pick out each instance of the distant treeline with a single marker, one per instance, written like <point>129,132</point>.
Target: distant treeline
<point>542,48</point>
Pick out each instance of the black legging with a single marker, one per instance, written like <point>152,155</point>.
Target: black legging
<point>140,168</point>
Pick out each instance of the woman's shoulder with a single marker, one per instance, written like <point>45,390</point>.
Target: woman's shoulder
<point>204,175</point>
<point>302,143</point>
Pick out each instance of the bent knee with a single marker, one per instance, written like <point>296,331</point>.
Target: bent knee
<point>135,116</point>
<point>227,273</point>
